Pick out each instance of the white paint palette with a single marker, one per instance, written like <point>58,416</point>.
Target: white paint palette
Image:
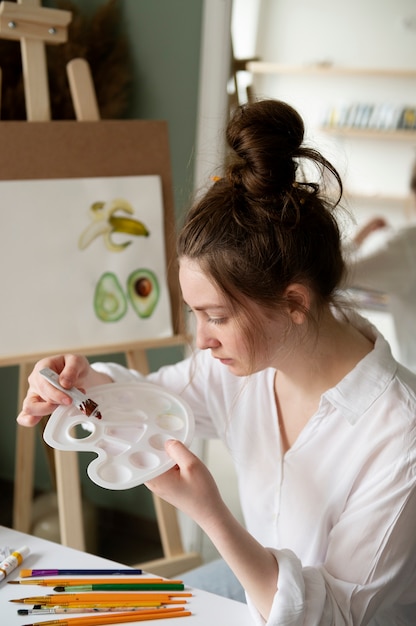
<point>137,420</point>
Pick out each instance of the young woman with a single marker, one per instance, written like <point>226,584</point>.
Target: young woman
<point>319,417</point>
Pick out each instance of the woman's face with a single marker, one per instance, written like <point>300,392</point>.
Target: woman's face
<point>217,328</point>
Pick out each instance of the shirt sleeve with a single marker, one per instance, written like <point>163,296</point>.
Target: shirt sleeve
<point>298,587</point>
<point>118,373</point>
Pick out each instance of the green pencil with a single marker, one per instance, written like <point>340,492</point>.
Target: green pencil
<point>124,587</point>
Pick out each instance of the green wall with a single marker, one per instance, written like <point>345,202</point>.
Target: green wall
<point>164,41</point>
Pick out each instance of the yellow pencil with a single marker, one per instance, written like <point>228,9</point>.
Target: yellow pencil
<point>126,605</point>
<point>115,598</point>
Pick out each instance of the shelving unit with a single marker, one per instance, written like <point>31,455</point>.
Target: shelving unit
<point>330,71</point>
<point>351,85</point>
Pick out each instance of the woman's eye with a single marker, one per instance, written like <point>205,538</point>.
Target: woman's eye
<point>217,320</point>
<point>207,318</point>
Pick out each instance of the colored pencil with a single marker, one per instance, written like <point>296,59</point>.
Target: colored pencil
<point>25,573</point>
<point>63,610</point>
<point>100,620</point>
<point>165,586</point>
<point>90,598</point>
<point>66,582</point>
<point>127,606</point>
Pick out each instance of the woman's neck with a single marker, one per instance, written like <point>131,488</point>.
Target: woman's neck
<point>313,368</point>
<point>321,360</point>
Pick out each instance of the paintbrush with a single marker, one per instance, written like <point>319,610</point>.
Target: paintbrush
<point>87,406</point>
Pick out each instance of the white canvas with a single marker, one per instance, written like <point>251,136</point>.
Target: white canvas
<point>48,282</point>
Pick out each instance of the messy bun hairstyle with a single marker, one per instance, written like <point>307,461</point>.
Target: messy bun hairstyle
<point>262,226</point>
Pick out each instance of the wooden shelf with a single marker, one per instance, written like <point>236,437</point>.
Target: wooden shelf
<point>368,133</point>
<point>378,198</point>
<point>267,67</point>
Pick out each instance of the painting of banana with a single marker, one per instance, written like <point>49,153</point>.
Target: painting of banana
<point>104,223</point>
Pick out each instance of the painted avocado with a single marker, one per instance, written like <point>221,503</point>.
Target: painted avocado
<point>110,303</point>
<point>143,290</point>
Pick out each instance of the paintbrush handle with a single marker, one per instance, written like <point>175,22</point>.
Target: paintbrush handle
<point>99,620</point>
<point>122,587</point>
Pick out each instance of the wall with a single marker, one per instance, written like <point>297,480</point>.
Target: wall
<point>369,34</point>
<point>164,40</point>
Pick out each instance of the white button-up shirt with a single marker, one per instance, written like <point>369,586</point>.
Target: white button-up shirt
<point>338,510</point>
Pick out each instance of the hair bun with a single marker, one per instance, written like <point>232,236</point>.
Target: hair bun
<point>265,135</point>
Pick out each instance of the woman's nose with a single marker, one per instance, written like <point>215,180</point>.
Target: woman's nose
<point>205,340</point>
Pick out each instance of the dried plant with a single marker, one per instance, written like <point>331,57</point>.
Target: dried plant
<point>98,41</point>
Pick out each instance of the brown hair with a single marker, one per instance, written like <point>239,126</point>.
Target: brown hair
<point>263,226</point>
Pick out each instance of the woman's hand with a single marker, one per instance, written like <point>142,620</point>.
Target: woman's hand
<point>370,227</point>
<point>42,398</point>
<point>189,486</point>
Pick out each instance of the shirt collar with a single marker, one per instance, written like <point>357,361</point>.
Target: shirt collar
<point>361,387</point>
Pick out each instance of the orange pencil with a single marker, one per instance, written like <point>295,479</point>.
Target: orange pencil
<point>116,619</point>
<point>126,596</point>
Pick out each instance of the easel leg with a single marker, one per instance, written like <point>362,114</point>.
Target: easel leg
<point>68,488</point>
<point>23,484</point>
<point>24,463</point>
<point>169,528</point>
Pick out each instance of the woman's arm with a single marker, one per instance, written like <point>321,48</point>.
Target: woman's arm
<point>190,487</point>
<point>369,227</point>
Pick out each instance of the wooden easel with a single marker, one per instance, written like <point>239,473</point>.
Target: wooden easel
<point>35,26</point>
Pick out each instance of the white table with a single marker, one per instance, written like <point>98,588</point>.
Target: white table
<point>207,608</point>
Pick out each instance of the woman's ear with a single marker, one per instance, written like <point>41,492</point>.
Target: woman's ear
<point>298,297</point>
